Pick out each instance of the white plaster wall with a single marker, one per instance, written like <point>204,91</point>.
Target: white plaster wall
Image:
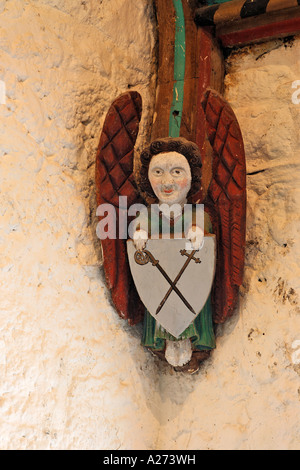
<point>247,395</point>
<point>73,376</point>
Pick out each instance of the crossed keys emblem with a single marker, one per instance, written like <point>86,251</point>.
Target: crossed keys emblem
<point>143,257</point>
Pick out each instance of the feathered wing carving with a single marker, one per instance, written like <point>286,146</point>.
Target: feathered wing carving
<point>226,201</point>
<point>114,178</point>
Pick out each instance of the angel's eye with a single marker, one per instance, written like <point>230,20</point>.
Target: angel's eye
<point>157,172</point>
<point>177,172</point>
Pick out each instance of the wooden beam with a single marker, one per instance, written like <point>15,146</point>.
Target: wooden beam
<point>188,122</point>
<point>276,24</point>
<point>165,13</point>
<point>239,9</point>
<point>204,68</point>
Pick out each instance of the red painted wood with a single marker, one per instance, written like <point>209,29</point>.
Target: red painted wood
<point>210,75</point>
<point>114,178</point>
<point>226,201</point>
<point>277,29</point>
<point>203,82</point>
<point>204,61</point>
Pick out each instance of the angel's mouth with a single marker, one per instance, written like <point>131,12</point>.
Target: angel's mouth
<point>168,190</point>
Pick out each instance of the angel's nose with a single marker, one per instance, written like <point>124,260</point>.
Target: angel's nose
<point>167,178</point>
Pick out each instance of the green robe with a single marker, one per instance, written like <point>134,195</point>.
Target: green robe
<point>200,332</point>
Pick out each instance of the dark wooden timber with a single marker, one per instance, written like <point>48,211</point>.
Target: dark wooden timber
<point>240,22</point>
<point>277,24</point>
<point>165,13</point>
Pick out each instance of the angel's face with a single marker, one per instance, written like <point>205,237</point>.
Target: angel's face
<point>170,177</point>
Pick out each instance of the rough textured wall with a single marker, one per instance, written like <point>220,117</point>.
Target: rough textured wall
<point>72,374</point>
<point>247,395</point>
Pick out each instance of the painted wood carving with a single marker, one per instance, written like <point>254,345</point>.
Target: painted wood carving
<point>183,284</point>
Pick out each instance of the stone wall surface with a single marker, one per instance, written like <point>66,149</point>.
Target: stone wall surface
<point>73,375</point>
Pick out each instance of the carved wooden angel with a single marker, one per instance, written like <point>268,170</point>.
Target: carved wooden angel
<point>170,173</point>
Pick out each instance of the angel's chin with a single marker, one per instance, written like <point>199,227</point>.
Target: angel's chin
<point>170,198</point>
<point>168,201</point>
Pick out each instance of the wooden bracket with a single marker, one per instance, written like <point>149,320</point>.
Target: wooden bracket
<point>204,68</point>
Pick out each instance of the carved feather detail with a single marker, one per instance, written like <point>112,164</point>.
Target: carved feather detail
<point>226,201</point>
<point>114,178</point>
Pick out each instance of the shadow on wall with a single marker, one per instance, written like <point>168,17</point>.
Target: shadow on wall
<point>176,388</point>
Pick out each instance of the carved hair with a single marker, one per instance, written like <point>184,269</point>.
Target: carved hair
<point>170,144</point>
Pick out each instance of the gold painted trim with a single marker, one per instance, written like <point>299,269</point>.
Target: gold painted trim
<point>228,12</point>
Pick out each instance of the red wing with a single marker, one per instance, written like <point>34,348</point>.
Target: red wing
<point>114,178</point>
<point>226,201</point>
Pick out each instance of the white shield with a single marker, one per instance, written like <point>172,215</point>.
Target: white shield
<point>172,285</point>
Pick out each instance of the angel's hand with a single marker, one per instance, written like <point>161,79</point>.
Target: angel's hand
<point>140,238</point>
<point>196,237</point>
